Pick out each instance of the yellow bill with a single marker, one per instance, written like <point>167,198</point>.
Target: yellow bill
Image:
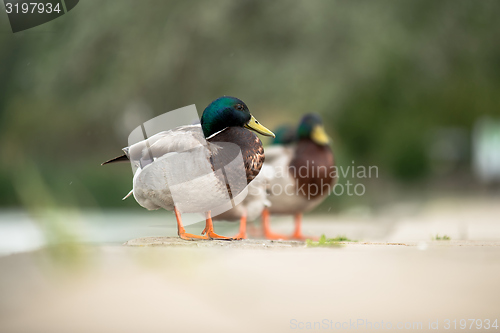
<point>254,125</point>
<point>319,135</point>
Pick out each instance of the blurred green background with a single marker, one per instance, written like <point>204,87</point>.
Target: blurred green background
<point>399,84</point>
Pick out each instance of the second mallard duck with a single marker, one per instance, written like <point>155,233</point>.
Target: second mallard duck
<point>300,175</point>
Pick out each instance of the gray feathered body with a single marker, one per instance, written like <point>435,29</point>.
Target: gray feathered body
<point>180,167</point>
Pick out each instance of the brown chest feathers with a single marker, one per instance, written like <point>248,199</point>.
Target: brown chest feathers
<point>231,142</point>
<point>313,168</point>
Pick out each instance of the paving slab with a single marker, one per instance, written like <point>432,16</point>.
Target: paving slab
<point>161,284</point>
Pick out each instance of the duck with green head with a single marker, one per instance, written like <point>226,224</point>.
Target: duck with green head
<point>300,175</point>
<point>192,169</point>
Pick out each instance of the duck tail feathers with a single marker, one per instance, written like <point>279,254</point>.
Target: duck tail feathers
<point>122,158</point>
<point>128,195</point>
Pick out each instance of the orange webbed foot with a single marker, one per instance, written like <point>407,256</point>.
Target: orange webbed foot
<point>240,235</point>
<point>210,234</point>
<point>209,230</point>
<point>182,232</point>
<point>191,237</point>
<point>273,236</point>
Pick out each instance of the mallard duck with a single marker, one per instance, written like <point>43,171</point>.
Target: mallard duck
<point>196,168</point>
<point>300,175</point>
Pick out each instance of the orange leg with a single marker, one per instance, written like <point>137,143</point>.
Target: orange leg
<point>209,229</point>
<point>297,234</point>
<point>181,231</point>
<point>267,228</point>
<point>243,228</point>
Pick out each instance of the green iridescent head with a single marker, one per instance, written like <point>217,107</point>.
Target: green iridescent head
<point>311,127</point>
<point>226,112</point>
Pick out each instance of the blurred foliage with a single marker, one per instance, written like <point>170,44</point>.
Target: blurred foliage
<point>58,226</point>
<point>382,73</point>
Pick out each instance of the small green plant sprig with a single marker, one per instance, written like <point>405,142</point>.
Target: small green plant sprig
<point>444,237</point>
<point>328,242</point>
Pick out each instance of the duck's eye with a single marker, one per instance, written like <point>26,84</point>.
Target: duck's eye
<point>239,107</point>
